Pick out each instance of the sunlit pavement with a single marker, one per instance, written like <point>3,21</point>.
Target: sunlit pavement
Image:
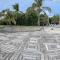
<point>36,45</point>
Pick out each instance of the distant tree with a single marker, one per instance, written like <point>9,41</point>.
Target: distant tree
<point>31,16</point>
<point>21,20</point>
<point>17,14</point>
<point>9,17</point>
<point>43,19</point>
<point>54,19</point>
<point>38,7</point>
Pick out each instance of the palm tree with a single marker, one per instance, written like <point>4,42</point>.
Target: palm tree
<point>38,7</point>
<point>16,12</point>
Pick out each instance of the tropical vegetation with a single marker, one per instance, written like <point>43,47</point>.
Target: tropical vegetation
<point>34,15</point>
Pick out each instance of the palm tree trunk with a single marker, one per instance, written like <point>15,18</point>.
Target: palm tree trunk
<point>59,19</point>
<point>48,21</point>
<point>38,22</point>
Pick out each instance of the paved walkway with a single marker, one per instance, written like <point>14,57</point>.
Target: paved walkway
<point>37,45</point>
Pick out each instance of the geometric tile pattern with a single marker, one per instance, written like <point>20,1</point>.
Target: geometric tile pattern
<point>37,45</point>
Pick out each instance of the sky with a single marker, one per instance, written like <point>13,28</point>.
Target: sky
<point>24,4</point>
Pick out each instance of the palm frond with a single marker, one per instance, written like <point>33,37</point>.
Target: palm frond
<point>38,3</point>
<point>33,5</point>
<point>16,7</point>
<point>47,8</point>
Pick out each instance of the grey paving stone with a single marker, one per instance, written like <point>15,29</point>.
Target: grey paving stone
<point>34,45</point>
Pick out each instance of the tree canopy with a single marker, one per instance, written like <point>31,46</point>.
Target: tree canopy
<point>32,17</point>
